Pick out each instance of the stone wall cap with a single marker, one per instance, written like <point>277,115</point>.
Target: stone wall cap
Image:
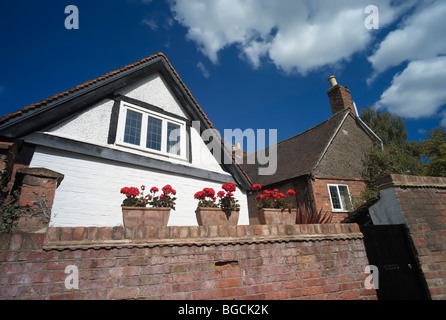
<point>41,172</point>
<point>6,145</point>
<point>61,238</point>
<point>401,180</point>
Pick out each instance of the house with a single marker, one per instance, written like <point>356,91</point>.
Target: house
<point>323,165</point>
<point>138,125</point>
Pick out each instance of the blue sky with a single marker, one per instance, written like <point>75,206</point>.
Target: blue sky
<point>256,64</point>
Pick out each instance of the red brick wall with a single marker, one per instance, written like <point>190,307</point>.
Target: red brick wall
<point>239,262</point>
<point>37,188</point>
<point>423,203</point>
<point>321,194</point>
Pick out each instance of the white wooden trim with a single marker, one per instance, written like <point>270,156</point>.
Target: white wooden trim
<point>143,140</point>
<point>339,193</point>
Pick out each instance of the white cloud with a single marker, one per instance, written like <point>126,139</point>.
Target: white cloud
<point>151,23</point>
<point>295,35</point>
<point>418,91</point>
<point>203,69</point>
<point>418,38</point>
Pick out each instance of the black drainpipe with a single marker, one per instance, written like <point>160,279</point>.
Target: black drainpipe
<point>309,191</point>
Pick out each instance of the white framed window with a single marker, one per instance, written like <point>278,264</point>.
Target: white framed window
<point>146,130</point>
<point>340,197</point>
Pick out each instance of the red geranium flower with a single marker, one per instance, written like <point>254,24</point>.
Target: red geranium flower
<point>229,187</point>
<point>130,192</point>
<point>200,195</point>
<point>209,192</point>
<point>167,189</point>
<point>291,193</point>
<point>256,187</point>
<point>154,190</point>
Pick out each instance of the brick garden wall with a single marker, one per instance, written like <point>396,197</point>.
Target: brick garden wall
<point>199,263</point>
<point>423,205</point>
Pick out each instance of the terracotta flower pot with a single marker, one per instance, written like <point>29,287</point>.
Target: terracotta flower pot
<point>216,217</point>
<point>134,216</point>
<point>276,216</point>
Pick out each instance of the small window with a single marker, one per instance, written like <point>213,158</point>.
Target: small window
<point>132,132</point>
<point>340,197</point>
<point>149,131</point>
<point>173,138</point>
<point>154,133</point>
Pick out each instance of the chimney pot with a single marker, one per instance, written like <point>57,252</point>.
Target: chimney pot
<point>332,81</point>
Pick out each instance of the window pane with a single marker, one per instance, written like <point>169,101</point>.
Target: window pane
<point>132,132</point>
<point>335,198</point>
<point>154,130</point>
<point>345,199</point>
<point>173,139</point>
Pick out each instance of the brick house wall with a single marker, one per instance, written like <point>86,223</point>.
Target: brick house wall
<point>342,164</point>
<point>321,196</point>
<point>420,203</point>
<point>190,263</point>
<point>344,156</point>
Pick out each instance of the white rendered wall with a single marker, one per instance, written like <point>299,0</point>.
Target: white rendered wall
<point>155,91</point>
<point>90,195</point>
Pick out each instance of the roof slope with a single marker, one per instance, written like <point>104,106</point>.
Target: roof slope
<point>299,155</point>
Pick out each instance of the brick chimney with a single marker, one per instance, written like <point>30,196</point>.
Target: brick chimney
<point>340,97</point>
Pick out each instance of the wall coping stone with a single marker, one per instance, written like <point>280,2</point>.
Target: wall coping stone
<point>74,238</point>
<point>399,180</point>
<point>41,172</point>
